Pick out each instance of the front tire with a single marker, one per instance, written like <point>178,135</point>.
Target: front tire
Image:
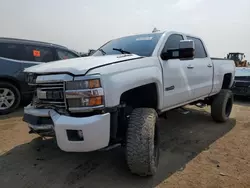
<point>9,98</point>
<point>222,106</point>
<point>142,147</point>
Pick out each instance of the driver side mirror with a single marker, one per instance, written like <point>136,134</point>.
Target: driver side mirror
<point>186,51</point>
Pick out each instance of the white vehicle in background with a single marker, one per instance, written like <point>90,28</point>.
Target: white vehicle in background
<point>241,85</point>
<point>116,95</point>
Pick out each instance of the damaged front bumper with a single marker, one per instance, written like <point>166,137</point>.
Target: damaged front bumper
<point>73,134</point>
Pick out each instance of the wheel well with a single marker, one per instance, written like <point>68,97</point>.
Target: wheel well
<point>12,81</point>
<point>226,81</point>
<point>142,96</point>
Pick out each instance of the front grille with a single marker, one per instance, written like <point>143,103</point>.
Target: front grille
<point>54,95</point>
<point>242,78</point>
<point>241,84</point>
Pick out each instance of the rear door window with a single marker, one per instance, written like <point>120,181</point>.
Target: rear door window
<point>39,54</point>
<point>12,51</point>
<point>64,54</point>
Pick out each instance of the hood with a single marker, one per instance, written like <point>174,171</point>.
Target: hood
<point>79,65</point>
<point>242,71</point>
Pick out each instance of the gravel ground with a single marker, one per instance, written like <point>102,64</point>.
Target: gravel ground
<point>195,152</point>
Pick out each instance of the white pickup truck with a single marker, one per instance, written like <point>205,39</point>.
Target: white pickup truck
<point>115,96</point>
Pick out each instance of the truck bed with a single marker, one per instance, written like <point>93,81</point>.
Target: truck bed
<point>220,64</point>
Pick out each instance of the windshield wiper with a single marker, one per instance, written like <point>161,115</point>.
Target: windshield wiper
<point>103,52</point>
<point>121,50</point>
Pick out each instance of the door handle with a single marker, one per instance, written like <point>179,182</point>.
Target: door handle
<point>190,67</point>
<point>209,65</point>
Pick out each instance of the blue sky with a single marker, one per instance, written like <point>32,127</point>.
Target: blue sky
<point>79,24</point>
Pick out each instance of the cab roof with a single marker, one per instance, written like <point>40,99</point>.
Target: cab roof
<point>30,42</point>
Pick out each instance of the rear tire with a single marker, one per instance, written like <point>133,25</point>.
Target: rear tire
<point>142,147</point>
<point>10,98</point>
<point>222,105</point>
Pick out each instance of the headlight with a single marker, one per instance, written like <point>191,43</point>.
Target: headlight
<point>88,97</point>
<point>30,78</point>
<point>84,95</point>
<point>83,84</point>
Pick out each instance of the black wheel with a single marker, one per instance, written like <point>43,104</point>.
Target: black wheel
<point>9,98</point>
<point>222,106</point>
<point>142,146</point>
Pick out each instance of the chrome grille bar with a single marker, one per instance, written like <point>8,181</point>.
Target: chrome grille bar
<point>52,102</point>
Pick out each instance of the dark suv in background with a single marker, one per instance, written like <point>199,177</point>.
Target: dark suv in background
<point>17,54</point>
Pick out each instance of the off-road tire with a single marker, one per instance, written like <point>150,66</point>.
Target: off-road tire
<point>142,142</point>
<point>222,105</point>
<point>16,94</point>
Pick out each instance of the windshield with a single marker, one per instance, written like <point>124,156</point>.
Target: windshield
<point>235,57</point>
<point>142,45</point>
<point>241,57</point>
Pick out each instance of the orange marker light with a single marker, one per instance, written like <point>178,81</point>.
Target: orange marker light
<point>94,83</point>
<point>95,101</point>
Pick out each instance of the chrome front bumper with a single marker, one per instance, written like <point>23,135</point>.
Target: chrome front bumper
<point>95,129</point>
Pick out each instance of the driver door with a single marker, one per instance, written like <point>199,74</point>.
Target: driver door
<point>177,88</point>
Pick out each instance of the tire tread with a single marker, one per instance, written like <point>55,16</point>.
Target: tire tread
<point>218,105</point>
<point>140,136</point>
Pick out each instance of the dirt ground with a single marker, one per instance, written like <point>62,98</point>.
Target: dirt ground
<point>195,152</point>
